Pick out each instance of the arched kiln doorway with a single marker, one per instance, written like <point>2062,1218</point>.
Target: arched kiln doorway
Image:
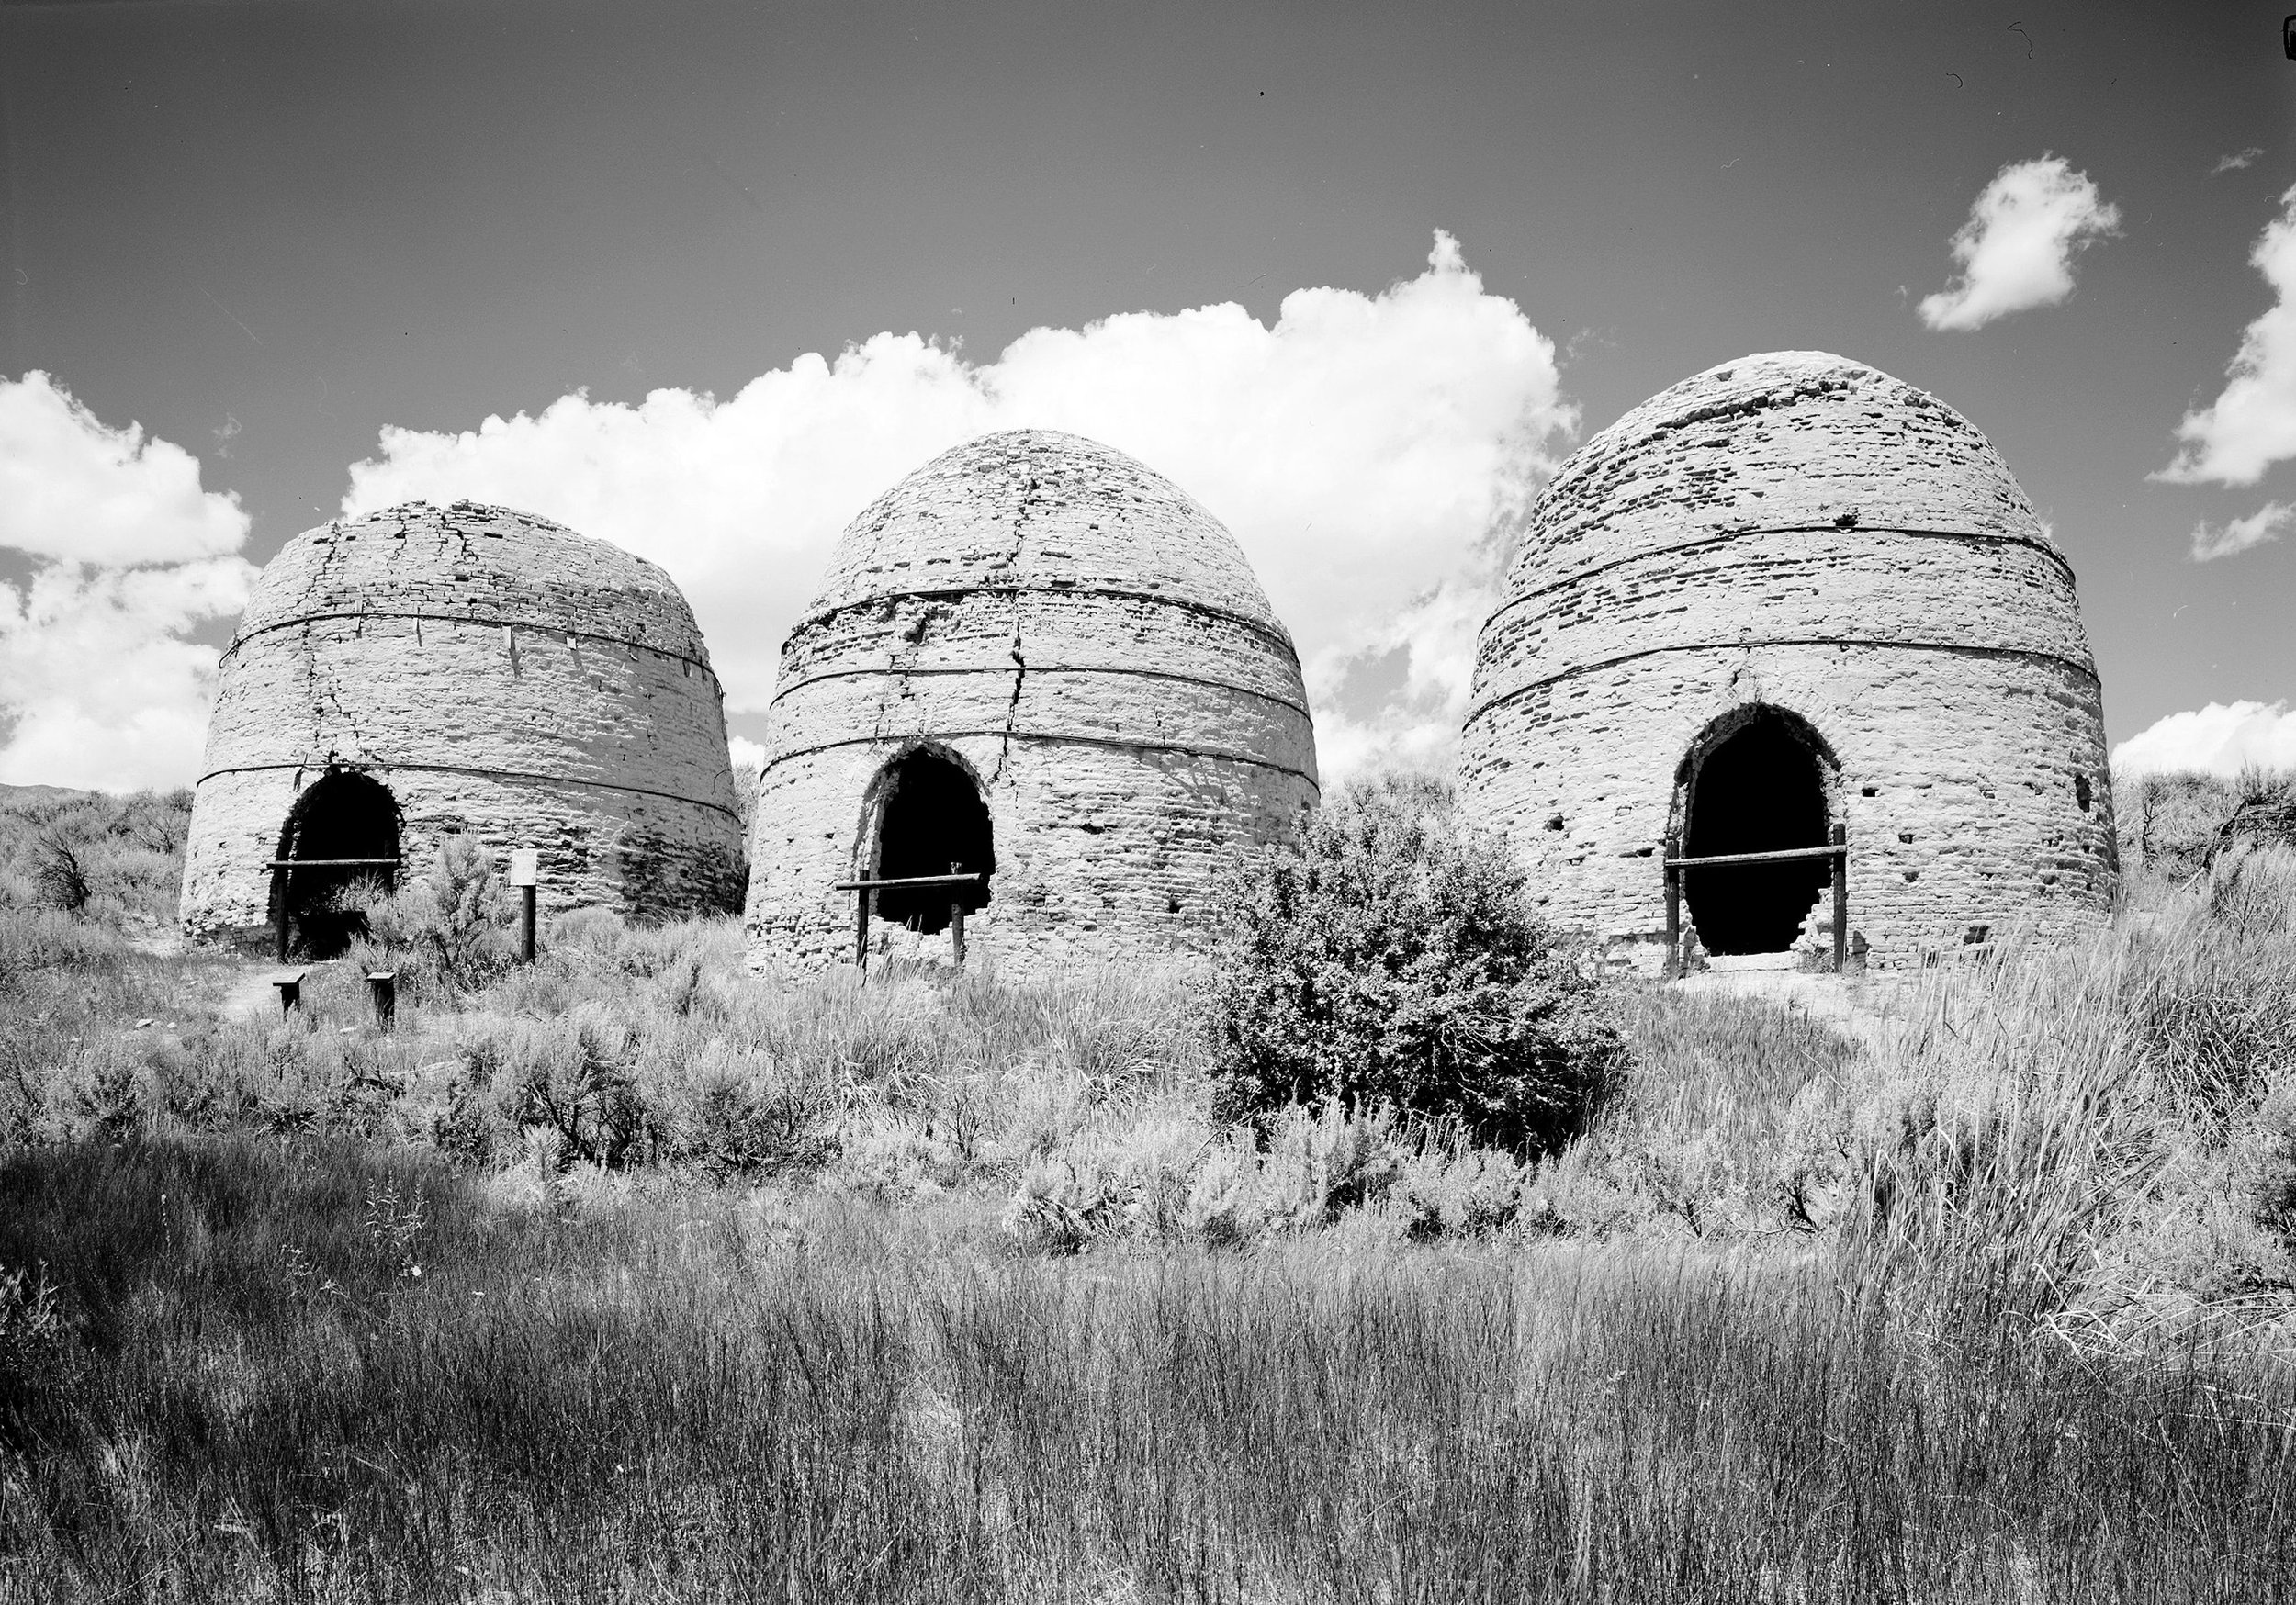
<point>346,826</point>
<point>1757,780</point>
<point>929,819</point>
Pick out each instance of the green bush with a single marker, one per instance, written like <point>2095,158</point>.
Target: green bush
<point>1389,957</point>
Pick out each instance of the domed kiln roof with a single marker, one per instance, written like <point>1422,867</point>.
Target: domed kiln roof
<point>474,564</point>
<point>1779,441</point>
<point>1038,510</point>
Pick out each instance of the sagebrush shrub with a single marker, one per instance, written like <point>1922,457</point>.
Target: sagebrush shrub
<point>116,861</point>
<point>1389,957</point>
<point>451,928</point>
<point>60,874</point>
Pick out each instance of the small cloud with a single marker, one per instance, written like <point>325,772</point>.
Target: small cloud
<point>2262,526</point>
<point>225,433</point>
<point>2221,739</point>
<point>1590,339</point>
<point>2016,251</point>
<point>2252,424</point>
<point>2237,161</point>
<point>747,754</point>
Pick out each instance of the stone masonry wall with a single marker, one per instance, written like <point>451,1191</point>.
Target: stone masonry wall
<point>1091,647</point>
<point>502,677</point>
<point>1798,530</point>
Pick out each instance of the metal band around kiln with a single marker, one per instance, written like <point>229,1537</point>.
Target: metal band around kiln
<point>1035,668</point>
<point>1579,576</point>
<point>1273,634</point>
<point>1258,763</point>
<point>388,766</point>
<point>1479,709</point>
<point>539,629</point>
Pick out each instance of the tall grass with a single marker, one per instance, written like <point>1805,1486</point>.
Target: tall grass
<point>2104,1138</point>
<point>625,1275</point>
<point>716,1398</point>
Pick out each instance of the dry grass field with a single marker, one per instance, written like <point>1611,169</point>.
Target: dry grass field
<point>626,1276</point>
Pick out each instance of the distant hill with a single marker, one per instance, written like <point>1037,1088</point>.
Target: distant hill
<point>15,795</point>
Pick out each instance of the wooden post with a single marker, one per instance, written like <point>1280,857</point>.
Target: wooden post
<point>860,930</point>
<point>1841,898</point>
<point>383,985</point>
<point>956,916</point>
<point>1674,909</point>
<point>526,871</point>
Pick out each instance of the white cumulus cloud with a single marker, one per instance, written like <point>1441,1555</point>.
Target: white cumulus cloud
<point>74,490</point>
<point>2239,535</point>
<point>1372,454</point>
<point>124,554</point>
<point>2221,739</point>
<point>2017,249</point>
<point>2252,424</point>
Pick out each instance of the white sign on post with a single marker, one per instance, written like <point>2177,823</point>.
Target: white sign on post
<point>526,866</point>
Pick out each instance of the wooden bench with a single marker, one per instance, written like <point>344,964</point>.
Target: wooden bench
<point>290,985</point>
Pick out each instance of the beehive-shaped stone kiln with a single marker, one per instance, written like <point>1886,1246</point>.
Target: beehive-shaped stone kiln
<point>426,671</point>
<point>1036,660</point>
<point>1788,594</point>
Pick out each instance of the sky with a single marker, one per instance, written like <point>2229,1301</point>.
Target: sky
<point>704,278</point>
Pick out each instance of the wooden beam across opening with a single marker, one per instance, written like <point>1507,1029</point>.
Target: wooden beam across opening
<point>329,863</point>
<point>1836,850</point>
<point>862,889</point>
<point>910,881</point>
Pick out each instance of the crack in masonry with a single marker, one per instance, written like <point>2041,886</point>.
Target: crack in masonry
<point>1020,663</point>
<point>350,720</point>
<point>329,694</point>
<point>896,682</point>
<point>1012,707</point>
<point>314,579</point>
<point>449,530</point>
<point>331,555</point>
<point>399,542</point>
<point>1266,629</point>
<point>310,686</point>
<point>316,695</point>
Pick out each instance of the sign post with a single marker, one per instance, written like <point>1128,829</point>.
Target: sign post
<point>1673,910</point>
<point>526,871</point>
<point>956,917</point>
<point>1841,898</point>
